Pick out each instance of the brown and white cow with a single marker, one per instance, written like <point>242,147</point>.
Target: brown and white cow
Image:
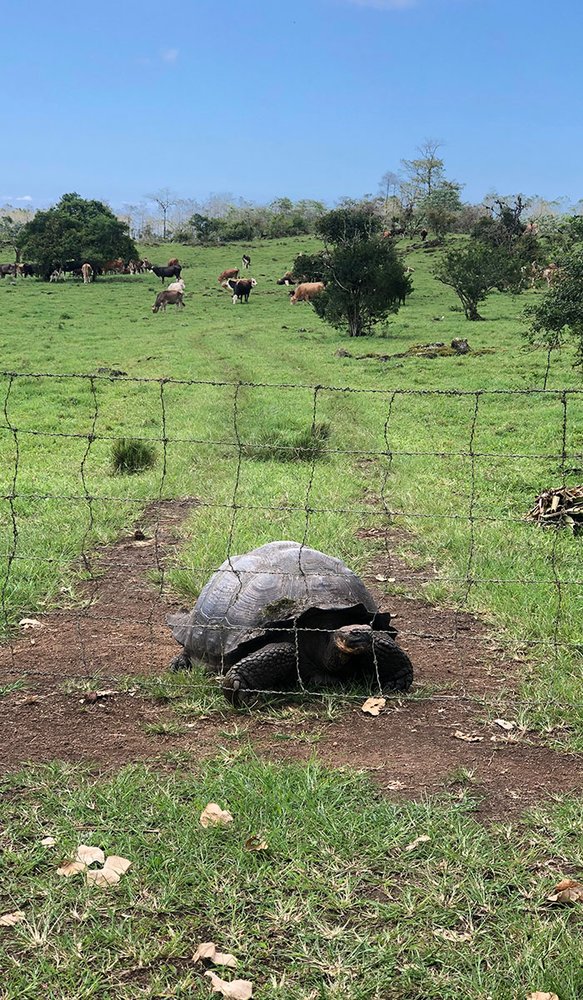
<point>307,291</point>
<point>168,298</point>
<point>87,272</point>
<point>231,272</point>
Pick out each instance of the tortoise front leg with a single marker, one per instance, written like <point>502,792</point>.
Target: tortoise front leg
<point>273,667</point>
<point>395,670</point>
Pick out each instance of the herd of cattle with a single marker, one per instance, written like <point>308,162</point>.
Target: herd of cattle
<point>239,288</point>
<point>230,279</point>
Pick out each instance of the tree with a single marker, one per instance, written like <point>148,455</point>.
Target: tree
<point>164,199</point>
<point>558,316</point>
<point>365,280</point>
<point>475,270</point>
<point>75,230</point>
<point>11,233</point>
<point>426,172</point>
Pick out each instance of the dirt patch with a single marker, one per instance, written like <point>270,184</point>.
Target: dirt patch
<point>409,750</point>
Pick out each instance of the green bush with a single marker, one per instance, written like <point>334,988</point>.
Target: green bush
<point>129,456</point>
<point>289,445</point>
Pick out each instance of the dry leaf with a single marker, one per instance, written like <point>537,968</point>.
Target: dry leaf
<point>209,951</point>
<point>88,855</point>
<point>542,996</point>
<point>255,843</point>
<point>504,724</point>
<point>239,989</point>
<point>395,786</point>
<point>9,919</point>
<point>447,935</point>
<point>213,815</point>
<point>373,706</point>
<point>567,891</point>
<point>27,623</point>
<point>48,842</point>
<point>71,868</point>
<point>467,737</point>
<point>423,839</point>
<point>111,872</point>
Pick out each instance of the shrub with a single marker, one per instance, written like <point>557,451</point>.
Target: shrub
<point>129,456</point>
<point>289,445</point>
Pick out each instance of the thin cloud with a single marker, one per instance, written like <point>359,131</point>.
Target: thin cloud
<point>25,197</point>
<point>169,55</point>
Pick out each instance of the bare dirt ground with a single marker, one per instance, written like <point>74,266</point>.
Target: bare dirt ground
<point>410,750</point>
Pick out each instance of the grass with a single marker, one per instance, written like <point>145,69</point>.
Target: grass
<point>340,905</point>
<point>130,457</point>
<point>385,455</point>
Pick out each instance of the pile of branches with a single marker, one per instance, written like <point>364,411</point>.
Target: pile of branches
<point>559,508</point>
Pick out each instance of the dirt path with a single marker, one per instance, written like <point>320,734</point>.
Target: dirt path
<point>410,750</point>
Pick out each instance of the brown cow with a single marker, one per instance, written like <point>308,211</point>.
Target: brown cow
<point>168,298</point>
<point>173,262</point>
<point>87,272</point>
<point>114,266</point>
<point>307,291</point>
<point>232,272</point>
<point>288,279</point>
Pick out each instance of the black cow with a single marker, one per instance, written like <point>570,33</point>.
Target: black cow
<point>167,272</point>
<point>7,269</point>
<point>25,270</point>
<point>241,287</point>
<point>246,260</point>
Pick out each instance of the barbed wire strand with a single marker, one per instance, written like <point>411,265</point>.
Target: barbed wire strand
<point>84,614</point>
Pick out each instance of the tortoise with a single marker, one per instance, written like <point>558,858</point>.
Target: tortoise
<point>285,614</point>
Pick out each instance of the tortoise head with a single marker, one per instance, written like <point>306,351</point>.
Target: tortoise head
<point>353,639</point>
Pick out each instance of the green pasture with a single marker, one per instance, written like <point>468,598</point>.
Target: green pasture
<point>353,896</point>
<point>456,471</point>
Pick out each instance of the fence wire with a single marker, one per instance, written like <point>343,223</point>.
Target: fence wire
<point>54,534</point>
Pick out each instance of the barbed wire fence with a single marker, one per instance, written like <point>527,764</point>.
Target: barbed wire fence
<point>91,617</point>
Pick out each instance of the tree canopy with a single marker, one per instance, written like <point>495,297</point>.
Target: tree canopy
<point>365,280</point>
<point>558,316</point>
<point>75,230</point>
<point>476,269</point>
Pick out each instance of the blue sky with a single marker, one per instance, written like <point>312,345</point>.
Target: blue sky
<point>304,98</point>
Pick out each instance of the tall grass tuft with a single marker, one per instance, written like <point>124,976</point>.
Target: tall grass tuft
<point>289,445</point>
<point>129,457</point>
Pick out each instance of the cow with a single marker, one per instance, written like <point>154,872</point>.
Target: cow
<point>166,298</point>
<point>173,262</point>
<point>288,279</point>
<point>241,288</point>
<point>424,234</point>
<point>176,286</point>
<point>306,291</point>
<point>231,272</point>
<point>25,270</point>
<point>7,269</point>
<point>246,261</point>
<point>166,272</point>
<point>114,266</point>
<point>87,272</point>
<point>550,274</point>
<point>57,275</point>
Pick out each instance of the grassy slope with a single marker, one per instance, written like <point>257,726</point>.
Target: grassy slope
<point>76,328</point>
<point>338,907</point>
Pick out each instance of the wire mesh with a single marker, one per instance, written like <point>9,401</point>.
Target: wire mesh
<point>60,502</point>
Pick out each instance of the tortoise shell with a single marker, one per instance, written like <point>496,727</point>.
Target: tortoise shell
<point>278,585</point>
